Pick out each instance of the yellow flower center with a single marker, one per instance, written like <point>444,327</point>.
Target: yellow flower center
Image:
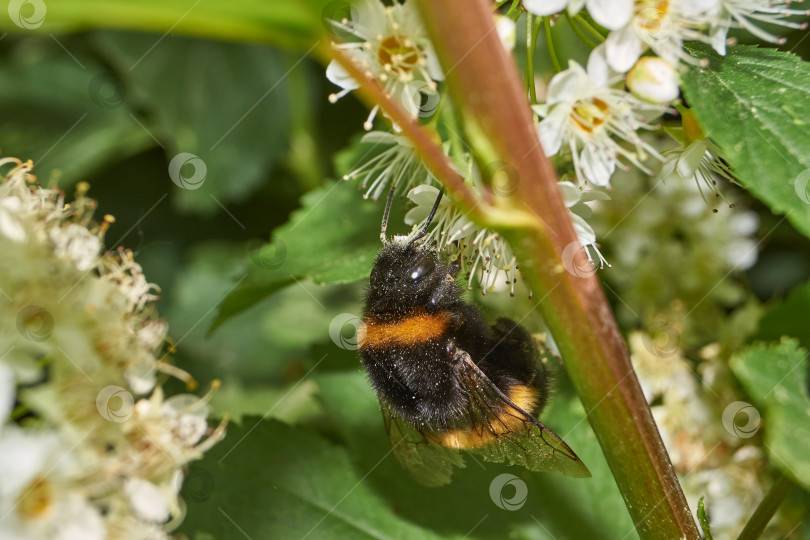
<point>398,53</point>
<point>37,500</point>
<point>590,114</point>
<point>651,15</point>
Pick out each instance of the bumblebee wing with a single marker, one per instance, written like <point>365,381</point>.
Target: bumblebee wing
<point>428,463</point>
<point>503,432</point>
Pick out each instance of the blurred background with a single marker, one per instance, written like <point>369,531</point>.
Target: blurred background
<point>114,108</point>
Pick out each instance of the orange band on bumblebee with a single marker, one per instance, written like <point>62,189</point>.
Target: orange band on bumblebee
<point>507,420</point>
<point>413,329</point>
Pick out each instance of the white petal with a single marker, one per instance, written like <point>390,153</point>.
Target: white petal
<point>424,195</point>
<point>79,520</point>
<point>570,193</point>
<point>379,137</point>
<point>690,159</point>
<point>623,49</point>
<point>434,67</point>
<point>718,39</point>
<point>337,75</point>
<point>612,14</point>
<point>544,7</point>
<point>565,85</point>
<point>598,68</point>
<point>506,31</point>
<point>147,500</point>
<point>550,130</point>
<point>597,165</point>
<point>584,231</point>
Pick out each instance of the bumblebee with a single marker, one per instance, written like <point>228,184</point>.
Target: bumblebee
<point>447,380</point>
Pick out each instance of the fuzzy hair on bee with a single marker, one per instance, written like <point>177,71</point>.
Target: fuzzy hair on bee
<point>445,378</point>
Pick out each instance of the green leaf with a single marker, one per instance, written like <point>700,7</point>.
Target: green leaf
<point>775,377</point>
<point>54,113</point>
<point>332,238</point>
<point>755,104</point>
<point>556,506</point>
<point>289,24</point>
<point>268,480</point>
<point>788,318</point>
<point>703,518</point>
<point>226,103</point>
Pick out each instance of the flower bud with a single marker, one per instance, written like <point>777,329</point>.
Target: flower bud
<point>653,80</point>
<point>506,31</point>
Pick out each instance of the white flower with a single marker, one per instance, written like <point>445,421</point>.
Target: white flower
<point>660,26</point>
<point>583,112</point>
<point>653,80</point>
<point>148,501</point>
<point>79,322</point>
<point>482,250</point>
<point>398,165</point>
<point>746,14</point>
<point>75,243</point>
<point>38,495</point>
<point>611,14</point>
<point>394,49</point>
<point>575,199</point>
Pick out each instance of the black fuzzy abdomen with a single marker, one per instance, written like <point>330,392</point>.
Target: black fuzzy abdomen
<point>417,381</point>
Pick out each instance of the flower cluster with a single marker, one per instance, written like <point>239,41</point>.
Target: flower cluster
<point>713,460</point>
<point>392,47</point>
<point>89,446</point>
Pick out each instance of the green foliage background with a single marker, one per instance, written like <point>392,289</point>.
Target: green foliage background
<point>289,246</point>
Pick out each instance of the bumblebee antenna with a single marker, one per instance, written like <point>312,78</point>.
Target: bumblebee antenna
<point>429,220</point>
<point>385,215</point>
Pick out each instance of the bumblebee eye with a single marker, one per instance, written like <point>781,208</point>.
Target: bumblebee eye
<point>423,266</point>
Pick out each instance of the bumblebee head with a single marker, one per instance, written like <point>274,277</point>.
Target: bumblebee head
<point>406,276</point>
